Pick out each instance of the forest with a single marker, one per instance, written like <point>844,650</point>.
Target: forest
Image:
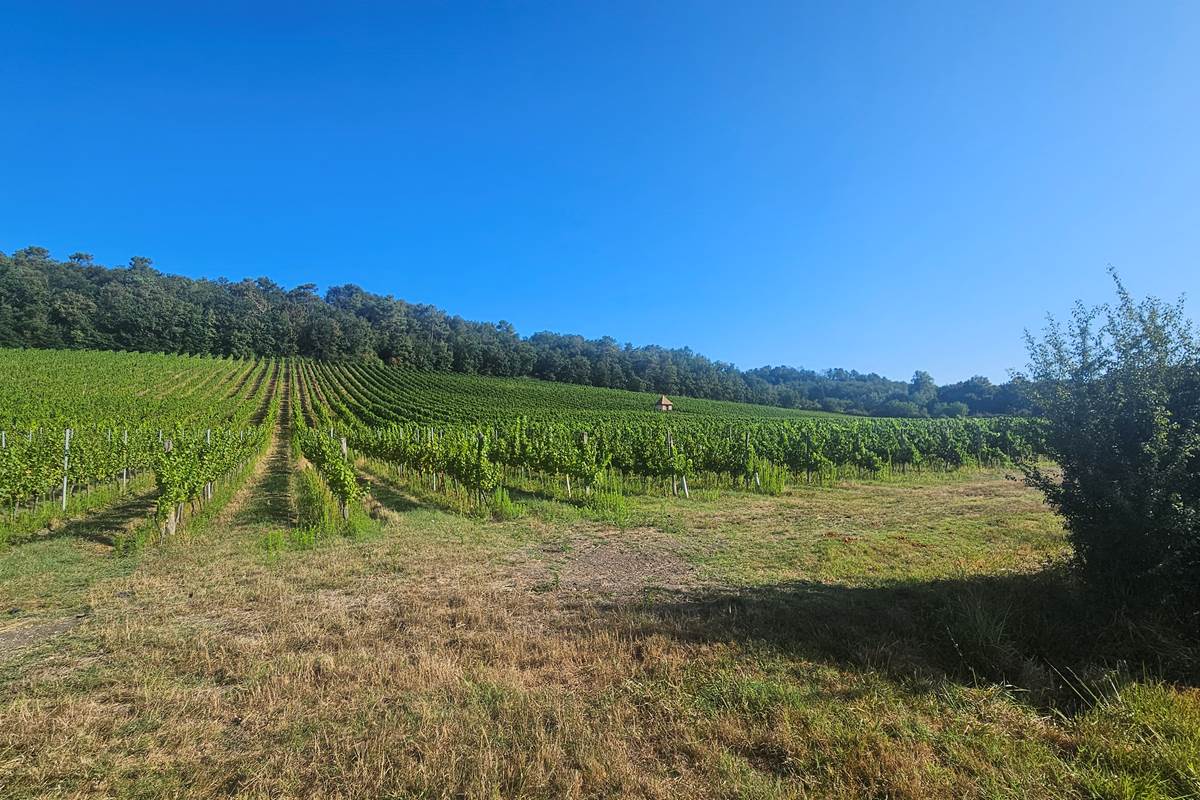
<point>79,304</point>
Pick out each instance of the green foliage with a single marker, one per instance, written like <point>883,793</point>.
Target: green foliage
<point>771,479</point>
<point>1141,741</point>
<point>121,409</point>
<point>197,459</point>
<point>321,513</point>
<point>278,540</point>
<point>78,304</point>
<point>325,454</point>
<point>191,422</point>
<point>316,506</point>
<point>48,389</point>
<point>1120,390</point>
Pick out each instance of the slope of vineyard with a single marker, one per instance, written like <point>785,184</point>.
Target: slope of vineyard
<point>72,421</point>
<point>51,388</point>
<point>455,398</point>
<point>487,435</point>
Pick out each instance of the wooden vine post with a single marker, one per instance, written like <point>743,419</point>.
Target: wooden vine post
<point>683,479</point>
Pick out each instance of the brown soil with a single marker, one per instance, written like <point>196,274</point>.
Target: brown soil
<point>30,633</point>
<point>612,565</point>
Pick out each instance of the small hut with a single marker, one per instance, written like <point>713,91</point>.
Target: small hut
<point>664,403</point>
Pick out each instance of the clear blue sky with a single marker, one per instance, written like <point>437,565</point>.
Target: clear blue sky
<point>879,186</point>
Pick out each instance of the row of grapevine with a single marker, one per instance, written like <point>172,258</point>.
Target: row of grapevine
<point>71,421</point>
<point>55,390</point>
<point>460,454</point>
<point>37,463</point>
<point>191,461</point>
<point>332,463</point>
<point>327,454</point>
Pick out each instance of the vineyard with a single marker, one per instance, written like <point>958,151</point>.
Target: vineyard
<point>257,577</point>
<point>78,429</point>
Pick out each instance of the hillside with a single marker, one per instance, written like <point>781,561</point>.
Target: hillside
<point>79,304</point>
<point>82,383</point>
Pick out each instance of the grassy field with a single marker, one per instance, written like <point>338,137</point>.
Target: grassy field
<point>901,639</point>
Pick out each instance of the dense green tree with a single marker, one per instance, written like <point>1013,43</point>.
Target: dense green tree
<point>922,390</point>
<point>25,306</point>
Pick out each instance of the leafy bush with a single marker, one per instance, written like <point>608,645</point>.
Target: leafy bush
<point>1120,391</point>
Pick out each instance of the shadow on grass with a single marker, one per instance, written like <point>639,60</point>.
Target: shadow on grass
<point>390,497</point>
<point>542,496</point>
<point>1034,632</point>
<point>522,495</point>
<point>106,525</point>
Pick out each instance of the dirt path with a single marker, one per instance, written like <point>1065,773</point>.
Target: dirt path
<point>32,632</point>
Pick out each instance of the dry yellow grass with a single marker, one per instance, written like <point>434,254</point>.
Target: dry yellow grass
<point>731,647</point>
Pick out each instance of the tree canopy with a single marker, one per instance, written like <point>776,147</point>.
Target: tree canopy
<point>80,304</point>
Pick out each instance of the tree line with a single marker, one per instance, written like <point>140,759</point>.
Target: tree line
<point>80,304</point>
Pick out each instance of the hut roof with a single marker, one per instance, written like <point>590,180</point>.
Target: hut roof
<point>663,400</point>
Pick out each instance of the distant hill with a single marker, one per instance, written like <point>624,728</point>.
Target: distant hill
<point>80,304</point>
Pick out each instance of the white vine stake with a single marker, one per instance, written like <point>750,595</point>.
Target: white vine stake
<point>66,463</point>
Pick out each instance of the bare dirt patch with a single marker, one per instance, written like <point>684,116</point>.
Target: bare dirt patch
<point>31,633</point>
<point>617,565</point>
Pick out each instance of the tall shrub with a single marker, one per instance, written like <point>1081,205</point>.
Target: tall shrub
<point>1119,387</point>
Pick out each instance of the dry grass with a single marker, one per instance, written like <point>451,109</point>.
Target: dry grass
<point>730,647</point>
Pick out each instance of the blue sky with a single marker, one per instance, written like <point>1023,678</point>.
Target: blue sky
<point>878,186</point>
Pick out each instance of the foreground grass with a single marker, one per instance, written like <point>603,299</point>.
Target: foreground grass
<point>864,640</point>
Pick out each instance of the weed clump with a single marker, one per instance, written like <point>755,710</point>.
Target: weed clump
<point>609,507</point>
<point>503,507</point>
